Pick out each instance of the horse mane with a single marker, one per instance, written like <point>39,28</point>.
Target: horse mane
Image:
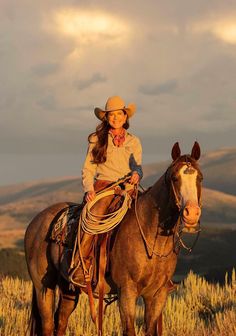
<point>145,191</point>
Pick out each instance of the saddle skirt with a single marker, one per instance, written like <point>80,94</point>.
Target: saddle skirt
<point>65,225</point>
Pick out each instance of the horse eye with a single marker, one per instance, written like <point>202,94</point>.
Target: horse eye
<point>200,178</point>
<point>174,178</point>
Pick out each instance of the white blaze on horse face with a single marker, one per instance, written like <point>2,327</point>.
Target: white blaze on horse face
<point>188,185</point>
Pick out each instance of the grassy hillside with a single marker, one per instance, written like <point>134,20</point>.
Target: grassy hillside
<point>218,207</point>
<point>46,191</point>
<point>16,213</point>
<point>20,203</point>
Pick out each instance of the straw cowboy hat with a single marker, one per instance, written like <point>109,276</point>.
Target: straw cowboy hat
<point>115,103</point>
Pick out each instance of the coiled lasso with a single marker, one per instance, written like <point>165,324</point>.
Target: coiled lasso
<point>97,224</point>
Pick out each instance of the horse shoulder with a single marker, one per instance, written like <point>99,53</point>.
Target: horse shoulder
<point>128,254</point>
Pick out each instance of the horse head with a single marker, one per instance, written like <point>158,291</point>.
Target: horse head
<point>184,178</point>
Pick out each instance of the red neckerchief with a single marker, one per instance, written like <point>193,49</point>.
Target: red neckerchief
<point>118,139</point>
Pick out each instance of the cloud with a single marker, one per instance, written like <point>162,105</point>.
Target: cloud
<point>53,76</point>
<point>45,69</point>
<point>221,113</point>
<point>94,79</point>
<point>174,59</point>
<point>48,103</point>
<point>88,26</point>
<point>223,28</point>
<point>158,89</point>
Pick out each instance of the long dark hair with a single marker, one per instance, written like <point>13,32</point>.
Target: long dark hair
<point>99,151</point>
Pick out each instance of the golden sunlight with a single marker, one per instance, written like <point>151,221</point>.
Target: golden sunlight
<point>226,32</point>
<point>223,29</point>
<point>90,26</point>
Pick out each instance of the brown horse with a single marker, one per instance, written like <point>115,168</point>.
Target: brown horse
<point>143,257</point>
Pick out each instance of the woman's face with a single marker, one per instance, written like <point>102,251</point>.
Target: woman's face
<point>116,119</point>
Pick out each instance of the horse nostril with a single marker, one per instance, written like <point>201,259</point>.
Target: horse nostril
<point>186,212</point>
<point>191,211</point>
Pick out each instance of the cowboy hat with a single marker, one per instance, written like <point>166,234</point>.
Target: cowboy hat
<point>115,103</point>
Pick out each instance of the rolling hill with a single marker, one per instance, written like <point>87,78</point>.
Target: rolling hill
<point>21,202</point>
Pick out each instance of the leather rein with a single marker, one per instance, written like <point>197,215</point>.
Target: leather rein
<point>178,242</point>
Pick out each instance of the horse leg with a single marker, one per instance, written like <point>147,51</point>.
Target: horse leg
<point>67,303</point>
<point>45,302</point>
<point>153,312</point>
<point>127,300</point>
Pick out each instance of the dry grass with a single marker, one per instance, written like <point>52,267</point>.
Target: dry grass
<point>198,308</point>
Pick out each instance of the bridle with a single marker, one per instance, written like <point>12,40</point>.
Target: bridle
<point>176,197</point>
<point>179,227</point>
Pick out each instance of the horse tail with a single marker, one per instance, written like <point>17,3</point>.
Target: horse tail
<point>34,328</point>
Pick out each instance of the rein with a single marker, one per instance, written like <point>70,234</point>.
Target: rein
<point>178,228</point>
<point>151,249</point>
<point>177,242</point>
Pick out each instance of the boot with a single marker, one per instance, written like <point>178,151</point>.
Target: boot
<point>77,275</point>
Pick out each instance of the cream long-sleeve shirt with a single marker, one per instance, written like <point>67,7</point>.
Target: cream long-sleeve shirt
<point>120,161</point>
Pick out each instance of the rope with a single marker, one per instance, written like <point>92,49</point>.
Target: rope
<point>92,223</point>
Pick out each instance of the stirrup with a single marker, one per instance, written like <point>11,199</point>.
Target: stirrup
<point>86,275</point>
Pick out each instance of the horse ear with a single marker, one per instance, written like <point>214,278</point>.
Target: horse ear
<point>175,153</point>
<point>196,151</point>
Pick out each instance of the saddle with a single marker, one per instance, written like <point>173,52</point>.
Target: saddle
<point>65,232</point>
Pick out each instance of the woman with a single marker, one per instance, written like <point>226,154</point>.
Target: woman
<point>113,153</point>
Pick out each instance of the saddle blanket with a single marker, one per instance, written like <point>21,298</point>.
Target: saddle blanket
<point>65,226</point>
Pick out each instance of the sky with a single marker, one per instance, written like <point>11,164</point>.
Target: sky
<point>175,59</point>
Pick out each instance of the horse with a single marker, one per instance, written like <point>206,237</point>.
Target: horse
<point>143,255</point>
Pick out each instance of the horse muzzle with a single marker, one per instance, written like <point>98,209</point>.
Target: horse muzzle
<point>190,217</point>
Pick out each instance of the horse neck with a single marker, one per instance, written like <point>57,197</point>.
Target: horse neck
<point>160,195</point>
<point>158,201</point>
<point>157,218</point>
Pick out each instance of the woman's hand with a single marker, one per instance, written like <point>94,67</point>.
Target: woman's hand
<point>90,195</point>
<point>135,178</point>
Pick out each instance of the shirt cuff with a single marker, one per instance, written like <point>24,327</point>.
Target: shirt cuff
<point>139,171</point>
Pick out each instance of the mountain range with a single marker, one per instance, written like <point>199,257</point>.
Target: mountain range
<point>20,202</point>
